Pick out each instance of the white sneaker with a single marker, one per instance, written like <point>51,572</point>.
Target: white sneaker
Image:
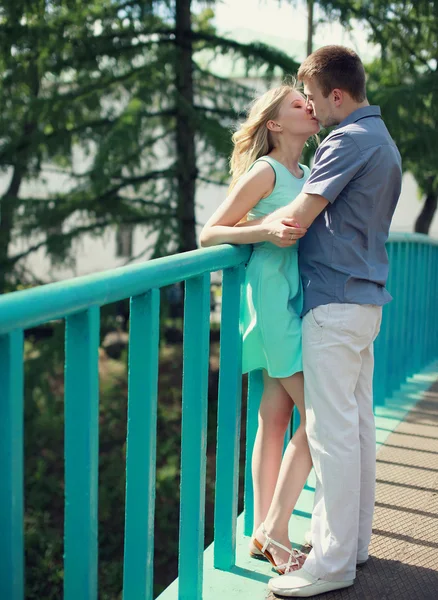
<point>300,584</point>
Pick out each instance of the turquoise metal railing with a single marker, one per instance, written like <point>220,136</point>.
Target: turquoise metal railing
<point>408,341</point>
<point>78,301</point>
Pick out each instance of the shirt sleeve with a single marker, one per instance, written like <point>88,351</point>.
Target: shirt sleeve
<point>337,161</point>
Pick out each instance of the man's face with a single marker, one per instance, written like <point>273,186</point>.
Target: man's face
<point>322,108</point>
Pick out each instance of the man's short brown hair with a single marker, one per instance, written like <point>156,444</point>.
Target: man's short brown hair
<point>335,67</point>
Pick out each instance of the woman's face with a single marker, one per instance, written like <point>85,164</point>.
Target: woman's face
<point>295,117</point>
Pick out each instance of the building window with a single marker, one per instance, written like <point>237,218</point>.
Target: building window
<point>124,237</point>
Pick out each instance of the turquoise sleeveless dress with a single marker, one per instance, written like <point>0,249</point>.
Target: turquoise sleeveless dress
<point>273,294</point>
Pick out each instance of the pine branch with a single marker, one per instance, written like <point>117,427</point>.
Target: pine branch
<point>245,90</point>
<point>118,51</point>
<point>79,231</point>
<point>100,83</point>
<point>264,53</point>
<point>125,181</point>
<point>206,180</point>
<point>224,112</point>
<point>8,150</point>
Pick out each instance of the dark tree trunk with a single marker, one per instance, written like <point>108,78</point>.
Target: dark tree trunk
<point>310,4</point>
<point>8,205</point>
<point>424,219</point>
<point>8,202</point>
<point>185,129</point>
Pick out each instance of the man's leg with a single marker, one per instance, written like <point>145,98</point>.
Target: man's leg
<point>367,435</point>
<point>333,338</point>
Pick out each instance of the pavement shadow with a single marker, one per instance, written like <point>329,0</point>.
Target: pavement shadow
<point>383,579</point>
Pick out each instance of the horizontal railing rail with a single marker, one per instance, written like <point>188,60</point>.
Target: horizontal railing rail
<point>407,342</point>
<point>78,301</point>
<point>27,308</point>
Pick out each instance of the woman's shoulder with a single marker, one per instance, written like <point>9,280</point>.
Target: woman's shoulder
<point>258,181</point>
<point>264,164</point>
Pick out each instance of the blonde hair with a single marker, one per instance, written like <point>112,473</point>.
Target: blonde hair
<point>253,139</point>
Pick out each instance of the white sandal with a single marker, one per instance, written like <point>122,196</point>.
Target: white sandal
<point>296,558</point>
<point>254,552</point>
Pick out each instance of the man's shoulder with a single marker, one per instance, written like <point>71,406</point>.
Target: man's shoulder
<point>339,139</point>
<point>359,136</point>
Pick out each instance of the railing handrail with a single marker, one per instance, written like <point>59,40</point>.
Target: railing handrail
<point>28,308</point>
<point>420,238</point>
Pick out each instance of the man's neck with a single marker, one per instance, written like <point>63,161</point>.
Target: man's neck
<point>352,106</point>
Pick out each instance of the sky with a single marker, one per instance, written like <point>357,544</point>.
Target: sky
<point>284,24</point>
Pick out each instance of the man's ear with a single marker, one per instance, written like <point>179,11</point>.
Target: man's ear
<point>338,96</point>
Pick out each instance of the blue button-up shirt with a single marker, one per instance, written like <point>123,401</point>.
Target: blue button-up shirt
<point>357,169</point>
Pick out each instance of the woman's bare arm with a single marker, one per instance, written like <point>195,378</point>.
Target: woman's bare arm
<point>251,188</point>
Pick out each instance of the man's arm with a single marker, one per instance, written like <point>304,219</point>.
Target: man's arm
<point>303,210</point>
<point>337,161</point>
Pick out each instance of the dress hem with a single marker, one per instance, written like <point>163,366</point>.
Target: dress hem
<point>273,376</point>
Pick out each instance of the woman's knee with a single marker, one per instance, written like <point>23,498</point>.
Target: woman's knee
<point>277,419</point>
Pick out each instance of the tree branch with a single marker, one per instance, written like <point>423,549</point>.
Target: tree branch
<point>81,230</point>
<point>206,180</point>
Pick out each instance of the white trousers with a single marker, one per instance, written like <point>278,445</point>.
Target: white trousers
<point>338,371</point>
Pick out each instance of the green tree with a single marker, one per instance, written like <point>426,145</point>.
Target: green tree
<point>122,82</point>
<point>404,82</point>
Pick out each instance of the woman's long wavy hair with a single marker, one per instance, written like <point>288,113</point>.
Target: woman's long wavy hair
<point>253,139</point>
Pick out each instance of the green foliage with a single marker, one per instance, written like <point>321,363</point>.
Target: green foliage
<point>44,465</point>
<point>97,81</point>
<point>404,82</point>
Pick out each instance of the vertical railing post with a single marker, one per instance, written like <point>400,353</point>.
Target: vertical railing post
<point>412,331</point>
<point>144,334</point>
<point>81,455</point>
<point>402,314</point>
<point>404,337</point>
<point>11,461</point>
<point>194,436</point>
<point>229,415</point>
<point>428,292</point>
<point>433,350</point>
<point>389,320</point>
<point>421,298</point>
<point>431,301</point>
<point>379,351</point>
<point>382,344</point>
<point>255,391</point>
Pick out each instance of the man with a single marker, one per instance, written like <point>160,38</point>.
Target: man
<point>347,203</point>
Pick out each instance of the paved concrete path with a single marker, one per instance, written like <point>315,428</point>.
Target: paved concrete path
<point>404,547</point>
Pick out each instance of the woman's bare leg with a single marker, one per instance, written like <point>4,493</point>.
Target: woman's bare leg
<point>274,417</point>
<point>295,469</point>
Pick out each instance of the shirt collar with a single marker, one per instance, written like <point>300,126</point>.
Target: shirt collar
<point>360,113</point>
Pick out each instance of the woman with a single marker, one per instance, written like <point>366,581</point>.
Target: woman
<point>266,175</point>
